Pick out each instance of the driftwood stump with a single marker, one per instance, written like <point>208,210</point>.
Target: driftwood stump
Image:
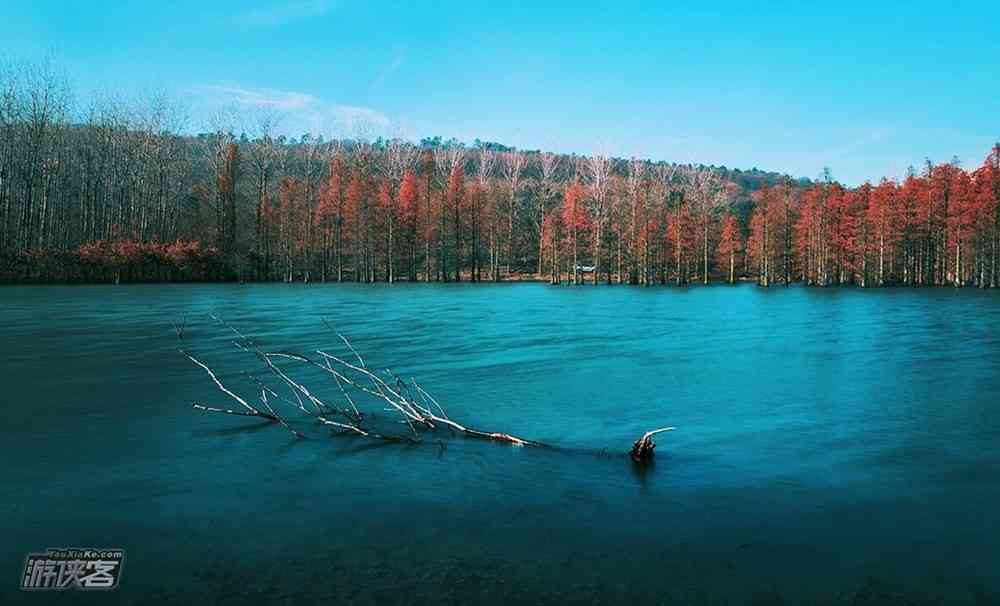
<point>642,450</point>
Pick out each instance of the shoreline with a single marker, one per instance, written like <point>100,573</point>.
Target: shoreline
<point>532,279</point>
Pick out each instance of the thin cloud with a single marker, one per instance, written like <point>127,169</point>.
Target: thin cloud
<point>282,13</point>
<point>390,68</point>
<point>280,100</point>
<point>840,154</point>
<point>353,115</point>
<point>864,139</point>
<point>301,112</point>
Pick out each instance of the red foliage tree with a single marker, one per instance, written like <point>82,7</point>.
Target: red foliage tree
<point>811,240</point>
<point>962,210</point>
<point>730,244</point>
<point>760,245</point>
<point>681,234</point>
<point>389,211</point>
<point>354,213</point>
<point>474,209</point>
<point>576,220</point>
<point>328,219</point>
<point>886,218</point>
<point>987,193</point>
<point>293,215</point>
<point>409,195</point>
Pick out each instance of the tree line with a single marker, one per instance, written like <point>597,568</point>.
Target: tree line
<point>118,192</point>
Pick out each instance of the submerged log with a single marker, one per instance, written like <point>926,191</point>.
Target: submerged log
<point>643,449</point>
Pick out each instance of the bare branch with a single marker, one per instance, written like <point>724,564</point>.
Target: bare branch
<point>222,387</point>
<point>263,399</point>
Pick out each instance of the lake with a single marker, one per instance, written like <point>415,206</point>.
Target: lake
<point>833,446</point>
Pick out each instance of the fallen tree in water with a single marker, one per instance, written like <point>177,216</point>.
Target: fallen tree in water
<point>642,450</point>
<point>410,404</point>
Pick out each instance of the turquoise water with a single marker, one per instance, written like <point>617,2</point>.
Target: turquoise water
<point>833,446</point>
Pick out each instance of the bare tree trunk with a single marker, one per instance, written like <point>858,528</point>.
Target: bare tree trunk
<point>705,266</point>
<point>881,258</point>
<point>576,260</point>
<point>958,263</point>
<point>390,260</point>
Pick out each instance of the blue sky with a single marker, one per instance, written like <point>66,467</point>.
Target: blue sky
<point>866,89</point>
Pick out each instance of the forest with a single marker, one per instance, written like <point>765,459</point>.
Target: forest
<point>123,192</point>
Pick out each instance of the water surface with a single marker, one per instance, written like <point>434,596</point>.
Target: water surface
<point>834,446</point>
